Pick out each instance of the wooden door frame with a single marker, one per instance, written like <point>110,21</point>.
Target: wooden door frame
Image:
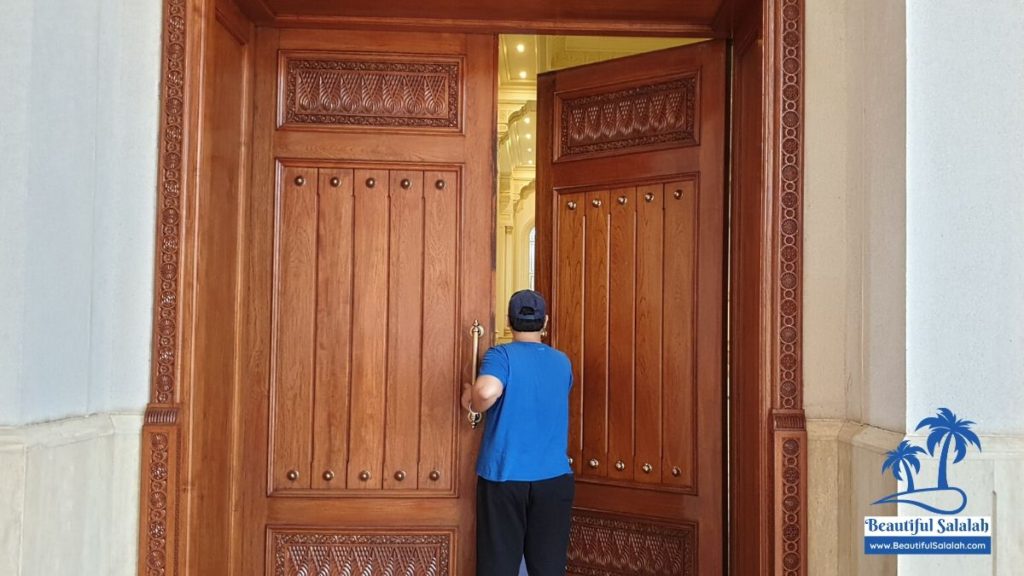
<point>767,379</point>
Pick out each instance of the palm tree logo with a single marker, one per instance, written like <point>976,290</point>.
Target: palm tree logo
<point>949,431</point>
<point>904,457</point>
<point>957,432</point>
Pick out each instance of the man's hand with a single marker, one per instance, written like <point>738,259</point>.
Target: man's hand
<point>467,395</point>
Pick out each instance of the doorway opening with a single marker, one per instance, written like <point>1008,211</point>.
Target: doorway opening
<point>289,99</point>
<point>521,58</point>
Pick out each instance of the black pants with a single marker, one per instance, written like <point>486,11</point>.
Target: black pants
<point>514,519</point>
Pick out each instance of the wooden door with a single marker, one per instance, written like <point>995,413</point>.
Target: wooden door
<point>369,260</point>
<point>631,219</point>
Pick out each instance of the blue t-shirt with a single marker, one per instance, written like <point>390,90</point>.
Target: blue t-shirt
<point>526,435</point>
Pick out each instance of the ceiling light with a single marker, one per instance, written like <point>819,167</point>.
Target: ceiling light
<point>520,48</point>
<point>526,119</point>
<point>529,161</point>
<point>522,74</point>
<point>529,136</point>
<point>529,149</point>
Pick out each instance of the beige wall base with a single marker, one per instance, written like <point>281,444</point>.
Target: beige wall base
<point>70,491</point>
<point>845,466</point>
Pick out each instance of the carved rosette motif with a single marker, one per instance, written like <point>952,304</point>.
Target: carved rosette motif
<point>379,93</point>
<point>638,117</point>
<point>158,514</point>
<point>789,183</point>
<point>792,510</point>
<point>170,202</point>
<point>156,505</point>
<point>790,435</point>
<point>601,545</point>
<point>335,553</point>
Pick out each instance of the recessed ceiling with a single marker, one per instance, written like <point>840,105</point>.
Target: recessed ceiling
<point>522,56</point>
<point>517,61</point>
<point>696,12</point>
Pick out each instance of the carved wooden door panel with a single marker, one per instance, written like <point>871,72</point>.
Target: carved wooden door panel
<point>370,233</point>
<point>631,165</point>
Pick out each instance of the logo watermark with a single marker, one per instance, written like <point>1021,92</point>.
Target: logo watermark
<point>945,533</point>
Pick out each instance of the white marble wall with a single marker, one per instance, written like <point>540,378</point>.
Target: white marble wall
<point>854,212</point>
<point>965,254</point>
<point>965,211</point>
<point>73,493</point>
<point>78,138</point>
<point>854,274</point>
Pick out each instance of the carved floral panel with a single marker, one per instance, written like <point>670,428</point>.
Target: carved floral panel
<point>601,545</point>
<point>372,91</point>
<point>620,120</point>
<point>329,553</point>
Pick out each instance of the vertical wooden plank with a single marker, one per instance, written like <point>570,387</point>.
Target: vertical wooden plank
<point>439,383</point>
<point>476,253</point>
<point>750,515</point>
<point>595,336</point>
<point>405,331</point>
<point>550,206</point>
<point>567,328</point>
<point>220,203</point>
<point>334,330</point>
<point>294,326</point>
<point>621,286</point>
<point>370,330</point>
<point>678,409</point>
<point>649,326</point>
<point>253,417</point>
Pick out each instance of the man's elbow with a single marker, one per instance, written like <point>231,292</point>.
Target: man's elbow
<point>486,393</point>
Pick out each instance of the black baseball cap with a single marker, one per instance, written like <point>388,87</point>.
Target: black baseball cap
<point>527,305</point>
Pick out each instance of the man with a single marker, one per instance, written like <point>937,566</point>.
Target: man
<point>525,486</point>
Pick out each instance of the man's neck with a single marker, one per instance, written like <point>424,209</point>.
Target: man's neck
<point>526,336</point>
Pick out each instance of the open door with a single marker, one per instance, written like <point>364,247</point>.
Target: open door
<point>630,221</point>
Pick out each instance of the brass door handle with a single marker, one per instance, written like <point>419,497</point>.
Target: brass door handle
<point>477,331</point>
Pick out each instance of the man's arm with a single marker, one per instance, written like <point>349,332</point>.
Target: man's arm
<point>482,394</point>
